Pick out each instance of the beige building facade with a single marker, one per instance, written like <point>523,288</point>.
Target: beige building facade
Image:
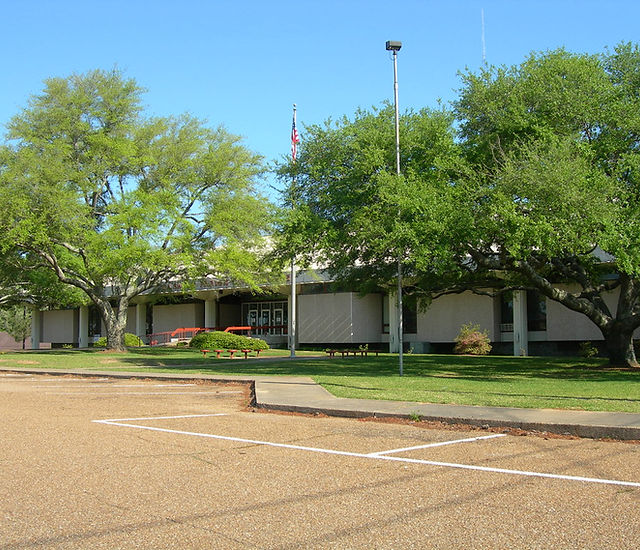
<point>518,323</point>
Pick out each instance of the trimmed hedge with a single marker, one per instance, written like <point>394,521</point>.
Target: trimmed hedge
<point>226,340</point>
<point>130,341</point>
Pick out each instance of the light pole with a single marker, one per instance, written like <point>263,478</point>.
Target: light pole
<point>394,46</point>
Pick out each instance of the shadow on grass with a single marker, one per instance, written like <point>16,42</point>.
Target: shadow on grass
<point>470,368</point>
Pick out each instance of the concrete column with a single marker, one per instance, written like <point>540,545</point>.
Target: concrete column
<point>141,320</point>
<point>36,328</point>
<point>394,346</point>
<point>211,313</point>
<point>83,327</point>
<point>520,326</point>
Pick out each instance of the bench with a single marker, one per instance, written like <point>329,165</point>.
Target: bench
<point>347,352</point>
<point>231,352</point>
<point>248,351</point>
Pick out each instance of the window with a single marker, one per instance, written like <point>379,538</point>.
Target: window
<point>95,322</point>
<point>409,315</point>
<point>536,311</point>
<point>266,317</point>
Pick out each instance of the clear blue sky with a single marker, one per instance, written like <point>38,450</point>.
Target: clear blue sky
<point>244,63</point>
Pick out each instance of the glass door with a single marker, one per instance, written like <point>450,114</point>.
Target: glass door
<point>277,321</point>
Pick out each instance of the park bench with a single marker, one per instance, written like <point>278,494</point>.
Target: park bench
<point>347,352</point>
<point>231,352</point>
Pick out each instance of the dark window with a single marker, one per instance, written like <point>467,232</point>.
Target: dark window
<point>95,322</point>
<point>409,315</point>
<point>536,311</point>
<point>149,319</point>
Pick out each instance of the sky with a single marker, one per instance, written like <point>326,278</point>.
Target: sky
<point>244,63</point>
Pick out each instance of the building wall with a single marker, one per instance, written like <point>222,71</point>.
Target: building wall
<point>131,320</point>
<point>339,318</point>
<point>367,318</point>
<point>442,321</point>
<point>564,324</point>
<point>230,315</point>
<point>170,317</point>
<point>7,342</point>
<point>60,326</point>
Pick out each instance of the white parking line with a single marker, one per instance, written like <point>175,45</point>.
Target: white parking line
<point>102,394</point>
<point>115,420</point>
<point>111,386</point>
<point>374,456</point>
<point>439,444</point>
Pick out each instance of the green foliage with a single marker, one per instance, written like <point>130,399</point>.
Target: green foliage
<point>16,321</point>
<point>226,340</point>
<point>350,209</point>
<point>471,340</point>
<point>539,191</point>
<point>587,349</point>
<point>130,341</point>
<point>107,198</point>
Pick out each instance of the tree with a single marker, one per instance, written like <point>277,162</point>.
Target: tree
<point>16,322</point>
<point>348,208</point>
<point>538,190</point>
<point>553,200</point>
<point>116,204</point>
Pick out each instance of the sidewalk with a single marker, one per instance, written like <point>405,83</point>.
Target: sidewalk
<point>302,394</point>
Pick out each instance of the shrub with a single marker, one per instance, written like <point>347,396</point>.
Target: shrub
<point>226,340</point>
<point>587,349</point>
<point>472,341</point>
<point>130,341</point>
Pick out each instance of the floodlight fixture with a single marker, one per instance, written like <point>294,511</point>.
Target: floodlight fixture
<point>393,45</point>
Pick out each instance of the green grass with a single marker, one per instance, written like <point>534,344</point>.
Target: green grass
<point>532,382</point>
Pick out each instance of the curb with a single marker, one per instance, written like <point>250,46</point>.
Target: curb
<point>303,395</point>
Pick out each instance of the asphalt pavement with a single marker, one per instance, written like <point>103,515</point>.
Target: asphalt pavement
<point>303,395</point>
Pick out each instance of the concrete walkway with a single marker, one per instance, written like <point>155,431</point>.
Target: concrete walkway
<point>302,394</point>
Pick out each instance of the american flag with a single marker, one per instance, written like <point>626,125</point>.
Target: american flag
<point>295,138</point>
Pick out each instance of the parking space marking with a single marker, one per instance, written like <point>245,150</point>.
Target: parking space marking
<point>374,456</point>
<point>115,420</point>
<point>102,394</point>
<point>111,386</point>
<point>438,444</point>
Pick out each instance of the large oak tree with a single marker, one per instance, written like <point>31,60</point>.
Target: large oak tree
<point>532,182</point>
<point>115,203</point>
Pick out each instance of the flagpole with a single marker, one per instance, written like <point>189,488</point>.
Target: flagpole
<point>292,313</point>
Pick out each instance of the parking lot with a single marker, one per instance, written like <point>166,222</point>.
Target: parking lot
<point>105,463</point>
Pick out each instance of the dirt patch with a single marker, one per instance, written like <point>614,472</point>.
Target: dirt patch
<point>434,425</point>
<point>25,362</point>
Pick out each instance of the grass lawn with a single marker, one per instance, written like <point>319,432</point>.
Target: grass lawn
<point>532,382</point>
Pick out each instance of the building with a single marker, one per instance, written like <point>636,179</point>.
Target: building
<point>518,323</point>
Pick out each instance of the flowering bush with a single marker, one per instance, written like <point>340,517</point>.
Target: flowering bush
<point>472,341</point>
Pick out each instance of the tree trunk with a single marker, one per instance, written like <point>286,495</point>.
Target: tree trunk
<point>619,342</point>
<point>115,321</point>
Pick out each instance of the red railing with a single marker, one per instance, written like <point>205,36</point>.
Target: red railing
<point>186,333</point>
<point>160,338</point>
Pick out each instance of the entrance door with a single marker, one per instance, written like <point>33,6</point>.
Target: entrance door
<point>252,318</point>
<point>277,321</point>
<point>265,319</point>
